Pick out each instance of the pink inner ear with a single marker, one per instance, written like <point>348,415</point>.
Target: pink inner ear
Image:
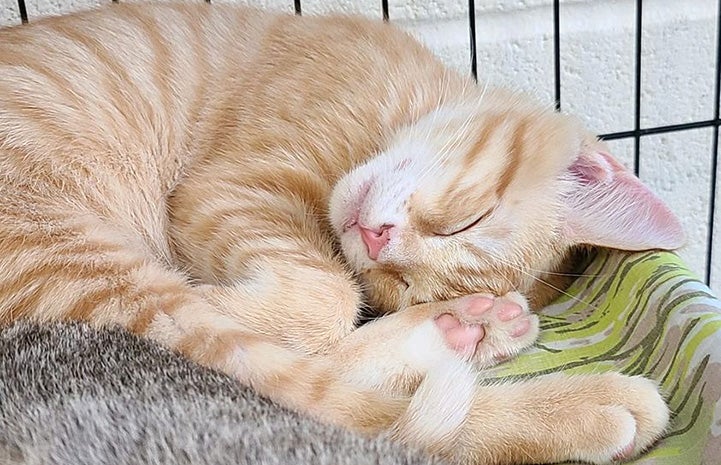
<point>610,207</point>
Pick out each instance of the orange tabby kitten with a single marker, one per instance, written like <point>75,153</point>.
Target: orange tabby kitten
<point>225,182</point>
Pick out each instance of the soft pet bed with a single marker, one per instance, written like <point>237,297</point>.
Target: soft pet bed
<point>641,314</point>
<point>72,395</point>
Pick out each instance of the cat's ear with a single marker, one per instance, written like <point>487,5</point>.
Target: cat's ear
<point>608,206</point>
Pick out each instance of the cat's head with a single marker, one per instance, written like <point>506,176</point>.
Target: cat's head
<point>480,197</point>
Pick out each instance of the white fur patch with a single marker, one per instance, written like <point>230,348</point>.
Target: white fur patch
<point>425,348</point>
<point>441,404</point>
<point>444,398</point>
<point>421,350</point>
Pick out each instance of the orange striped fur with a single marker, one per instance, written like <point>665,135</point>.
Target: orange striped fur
<point>180,170</point>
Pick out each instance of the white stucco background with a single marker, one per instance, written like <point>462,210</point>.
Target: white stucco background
<point>515,48</point>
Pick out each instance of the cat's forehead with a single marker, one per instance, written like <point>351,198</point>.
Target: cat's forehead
<point>490,149</point>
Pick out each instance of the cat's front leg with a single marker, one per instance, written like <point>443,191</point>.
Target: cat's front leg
<point>398,350</point>
<point>595,419</point>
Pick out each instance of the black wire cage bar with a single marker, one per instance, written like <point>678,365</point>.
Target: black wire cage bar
<point>637,132</point>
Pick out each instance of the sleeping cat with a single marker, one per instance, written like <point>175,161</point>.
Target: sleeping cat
<point>237,185</point>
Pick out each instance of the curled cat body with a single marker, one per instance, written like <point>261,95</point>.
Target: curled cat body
<point>237,185</point>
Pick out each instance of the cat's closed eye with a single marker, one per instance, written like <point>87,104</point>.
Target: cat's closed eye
<point>467,227</point>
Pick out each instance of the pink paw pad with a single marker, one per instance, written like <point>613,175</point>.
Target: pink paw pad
<point>461,338</point>
<point>487,328</point>
<point>509,311</point>
<point>479,305</point>
<point>521,328</point>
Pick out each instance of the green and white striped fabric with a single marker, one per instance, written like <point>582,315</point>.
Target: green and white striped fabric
<point>641,313</point>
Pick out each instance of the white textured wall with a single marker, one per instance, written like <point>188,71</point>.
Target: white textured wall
<point>515,47</point>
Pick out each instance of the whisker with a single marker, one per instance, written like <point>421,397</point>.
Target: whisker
<point>545,283</point>
<point>439,103</point>
<point>574,275</point>
<point>445,151</point>
<point>461,132</point>
<point>509,282</point>
<point>553,273</point>
<point>441,155</point>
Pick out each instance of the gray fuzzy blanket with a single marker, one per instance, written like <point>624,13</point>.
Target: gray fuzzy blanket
<point>73,395</point>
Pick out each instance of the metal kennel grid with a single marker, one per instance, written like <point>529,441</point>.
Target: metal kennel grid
<point>637,132</point>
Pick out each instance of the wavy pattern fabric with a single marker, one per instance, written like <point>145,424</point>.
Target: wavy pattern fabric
<point>642,313</point>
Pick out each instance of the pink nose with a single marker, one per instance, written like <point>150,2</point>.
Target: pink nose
<point>375,239</point>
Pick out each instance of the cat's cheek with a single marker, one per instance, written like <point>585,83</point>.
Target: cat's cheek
<point>405,249</point>
<point>347,196</point>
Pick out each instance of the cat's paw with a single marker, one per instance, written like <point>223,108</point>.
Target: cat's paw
<point>625,416</point>
<point>488,329</point>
